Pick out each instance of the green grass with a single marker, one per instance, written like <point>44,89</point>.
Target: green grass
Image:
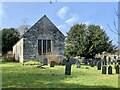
<point>14,75</point>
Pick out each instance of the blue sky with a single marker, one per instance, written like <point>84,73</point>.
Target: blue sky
<point>63,15</point>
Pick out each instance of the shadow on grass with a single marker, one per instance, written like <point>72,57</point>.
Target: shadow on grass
<point>41,83</point>
<point>37,79</point>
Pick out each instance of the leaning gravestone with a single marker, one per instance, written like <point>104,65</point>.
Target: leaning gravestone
<point>45,61</point>
<point>68,68</point>
<point>104,70</point>
<point>52,63</point>
<point>117,69</point>
<point>77,64</point>
<point>99,65</point>
<point>109,70</point>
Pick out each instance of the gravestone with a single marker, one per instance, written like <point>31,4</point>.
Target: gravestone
<point>68,68</point>
<point>109,60</point>
<point>104,70</point>
<point>118,61</point>
<point>95,63</point>
<point>117,69</point>
<point>105,61</point>
<point>115,64</point>
<point>89,61</point>
<point>99,65</point>
<point>85,61</point>
<point>45,61</point>
<point>92,63</point>
<point>77,64</point>
<point>109,70</point>
<point>52,63</point>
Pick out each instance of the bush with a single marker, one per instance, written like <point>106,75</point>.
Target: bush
<point>9,57</point>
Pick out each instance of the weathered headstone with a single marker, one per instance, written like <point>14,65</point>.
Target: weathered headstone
<point>95,63</point>
<point>104,70</point>
<point>85,61</point>
<point>105,61</point>
<point>109,60</point>
<point>45,61</point>
<point>68,68</point>
<point>89,61</point>
<point>115,64</point>
<point>109,70</point>
<point>117,69</point>
<point>77,64</point>
<point>52,63</point>
<point>118,62</point>
<point>99,65</point>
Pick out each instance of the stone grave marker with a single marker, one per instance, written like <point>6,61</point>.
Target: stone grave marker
<point>45,61</point>
<point>115,64</point>
<point>89,61</point>
<point>109,70</point>
<point>105,61</point>
<point>95,63</point>
<point>104,70</point>
<point>68,68</point>
<point>77,64</point>
<point>117,69</point>
<point>85,61</point>
<point>109,60</point>
<point>99,65</point>
<point>52,63</point>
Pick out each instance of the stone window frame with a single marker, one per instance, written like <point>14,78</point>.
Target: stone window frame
<point>46,46</point>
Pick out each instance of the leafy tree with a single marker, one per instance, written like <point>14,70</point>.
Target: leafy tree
<point>86,41</point>
<point>9,37</point>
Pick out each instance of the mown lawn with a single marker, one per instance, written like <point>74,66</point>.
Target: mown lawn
<point>14,75</point>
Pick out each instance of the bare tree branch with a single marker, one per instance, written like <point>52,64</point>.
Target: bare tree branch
<point>116,12</point>
<point>115,26</point>
<point>111,29</point>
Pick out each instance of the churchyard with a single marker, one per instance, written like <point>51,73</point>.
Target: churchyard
<point>78,75</point>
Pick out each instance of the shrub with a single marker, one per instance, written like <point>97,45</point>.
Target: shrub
<point>9,57</point>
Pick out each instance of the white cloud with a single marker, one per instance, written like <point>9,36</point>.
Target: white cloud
<point>62,12</point>
<point>72,20</point>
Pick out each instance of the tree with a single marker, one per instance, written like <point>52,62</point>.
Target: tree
<point>10,36</point>
<point>24,27</point>
<point>86,41</point>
